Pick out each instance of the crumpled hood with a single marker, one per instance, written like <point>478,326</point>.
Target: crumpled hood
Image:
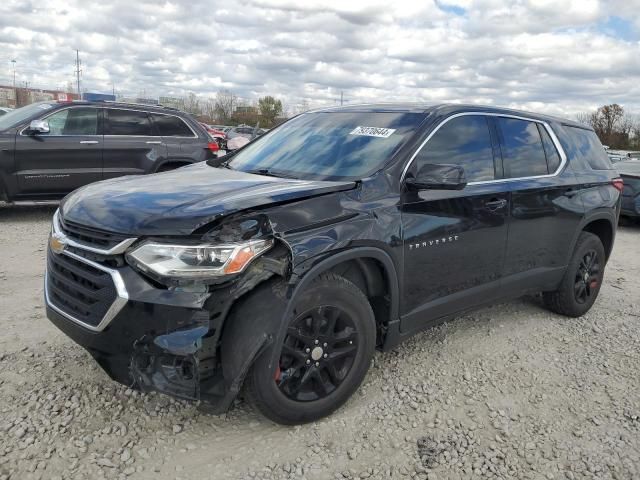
<point>182,200</point>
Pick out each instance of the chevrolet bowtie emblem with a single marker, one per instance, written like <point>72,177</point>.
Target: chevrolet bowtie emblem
<point>57,243</point>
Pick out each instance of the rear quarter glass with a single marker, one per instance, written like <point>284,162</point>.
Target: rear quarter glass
<point>584,147</point>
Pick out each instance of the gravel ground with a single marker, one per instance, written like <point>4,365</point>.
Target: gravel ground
<point>509,391</point>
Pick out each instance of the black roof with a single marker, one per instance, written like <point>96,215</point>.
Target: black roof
<point>446,109</point>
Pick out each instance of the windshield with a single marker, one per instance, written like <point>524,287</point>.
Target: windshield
<point>329,145</point>
<point>16,117</point>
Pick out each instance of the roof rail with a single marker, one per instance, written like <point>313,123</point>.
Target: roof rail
<point>133,103</point>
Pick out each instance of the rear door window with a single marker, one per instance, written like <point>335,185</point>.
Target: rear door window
<point>522,151</point>
<point>463,141</point>
<point>170,126</point>
<point>128,122</point>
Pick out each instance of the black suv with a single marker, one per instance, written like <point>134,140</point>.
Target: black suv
<point>630,173</point>
<point>48,149</point>
<point>341,231</point>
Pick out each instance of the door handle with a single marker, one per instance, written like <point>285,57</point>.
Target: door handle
<point>570,193</point>
<point>89,142</point>
<point>496,204</point>
<point>154,142</point>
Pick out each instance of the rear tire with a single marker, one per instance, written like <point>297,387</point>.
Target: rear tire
<point>323,358</point>
<point>582,280</point>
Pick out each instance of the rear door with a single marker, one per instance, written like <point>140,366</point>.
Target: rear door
<point>545,207</point>
<point>132,146</point>
<point>182,143</point>
<point>454,241</point>
<point>67,157</point>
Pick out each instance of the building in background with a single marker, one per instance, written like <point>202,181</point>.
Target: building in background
<point>172,102</point>
<point>144,101</point>
<point>19,97</point>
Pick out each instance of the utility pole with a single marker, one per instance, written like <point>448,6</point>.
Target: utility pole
<point>14,72</point>
<point>15,90</point>
<point>78,71</point>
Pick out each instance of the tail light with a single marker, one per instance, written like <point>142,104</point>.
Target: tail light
<point>618,184</point>
<point>213,146</point>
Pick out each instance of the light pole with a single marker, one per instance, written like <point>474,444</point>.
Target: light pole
<point>15,91</point>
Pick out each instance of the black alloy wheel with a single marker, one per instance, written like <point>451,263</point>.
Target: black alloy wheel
<point>323,355</point>
<point>587,277</point>
<point>582,280</point>
<point>317,354</point>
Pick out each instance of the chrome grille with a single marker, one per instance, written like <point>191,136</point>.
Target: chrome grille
<point>83,280</point>
<point>79,289</point>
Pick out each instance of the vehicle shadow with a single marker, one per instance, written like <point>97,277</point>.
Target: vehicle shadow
<point>629,224</point>
<point>27,212</point>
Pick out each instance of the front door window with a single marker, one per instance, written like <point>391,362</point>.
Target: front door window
<point>73,121</point>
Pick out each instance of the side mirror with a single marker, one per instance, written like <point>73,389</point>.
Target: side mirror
<point>438,177</point>
<point>38,126</point>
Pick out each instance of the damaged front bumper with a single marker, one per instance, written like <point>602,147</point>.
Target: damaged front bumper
<point>161,339</point>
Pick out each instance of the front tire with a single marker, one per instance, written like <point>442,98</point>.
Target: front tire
<point>323,359</point>
<point>582,280</point>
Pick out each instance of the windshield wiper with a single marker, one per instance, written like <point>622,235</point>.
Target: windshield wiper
<point>213,162</point>
<point>270,173</point>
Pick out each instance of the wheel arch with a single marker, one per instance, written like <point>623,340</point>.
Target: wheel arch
<point>176,163</point>
<point>362,258</point>
<point>601,224</point>
<point>243,341</point>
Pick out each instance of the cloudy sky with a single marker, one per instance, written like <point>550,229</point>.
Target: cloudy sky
<point>556,56</point>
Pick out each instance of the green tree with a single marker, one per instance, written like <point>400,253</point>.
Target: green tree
<point>270,109</point>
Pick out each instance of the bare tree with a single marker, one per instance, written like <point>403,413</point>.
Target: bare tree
<point>225,104</point>
<point>585,118</point>
<point>209,109</point>
<point>192,104</point>
<point>607,119</point>
<point>614,128</point>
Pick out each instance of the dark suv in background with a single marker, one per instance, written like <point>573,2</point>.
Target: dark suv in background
<point>630,172</point>
<point>48,149</point>
<point>336,233</point>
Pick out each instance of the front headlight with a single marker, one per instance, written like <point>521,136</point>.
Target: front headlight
<point>195,262</point>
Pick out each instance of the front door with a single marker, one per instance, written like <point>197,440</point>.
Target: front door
<point>67,157</point>
<point>454,241</point>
